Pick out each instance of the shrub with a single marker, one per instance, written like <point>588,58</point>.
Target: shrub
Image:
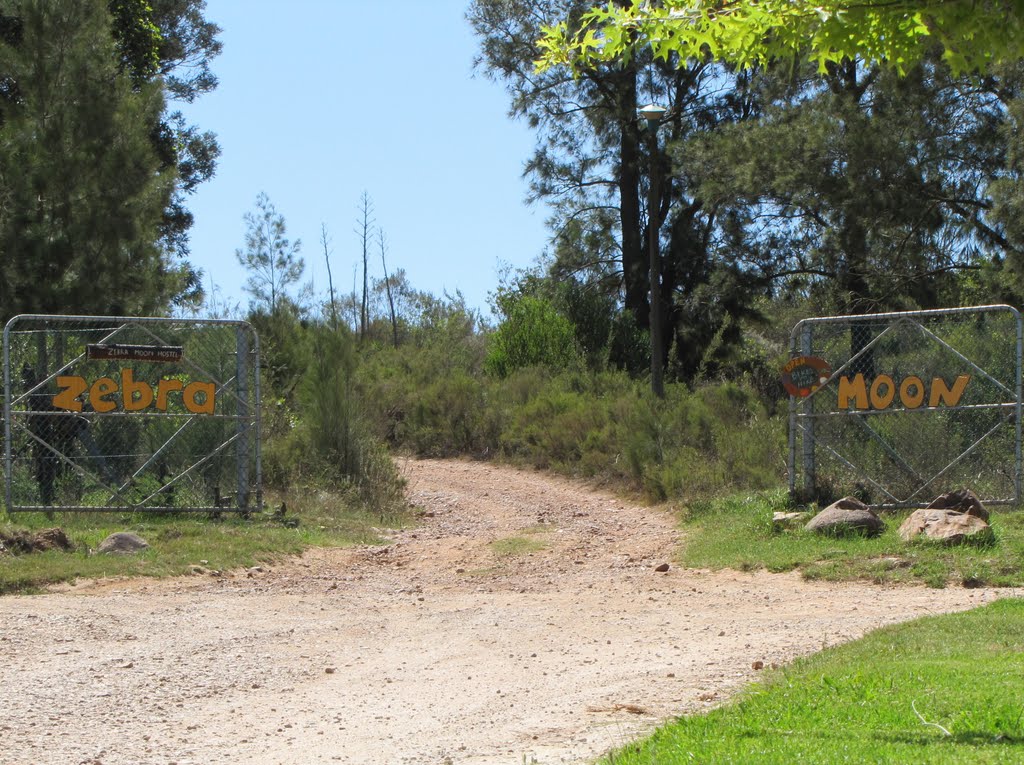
<point>328,439</point>
<point>532,334</point>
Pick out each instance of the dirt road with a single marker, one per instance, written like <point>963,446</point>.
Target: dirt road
<point>523,621</point>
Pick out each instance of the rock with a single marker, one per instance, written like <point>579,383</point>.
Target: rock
<point>782,521</point>
<point>945,526</point>
<point>962,501</point>
<point>52,539</point>
<point>662,568</point>
<point>21,541</point>
<point>848,515</point>
<point>757,665</point>
<point>122,543</point>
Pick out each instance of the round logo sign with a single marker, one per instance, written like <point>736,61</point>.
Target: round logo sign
<point>805,374</point>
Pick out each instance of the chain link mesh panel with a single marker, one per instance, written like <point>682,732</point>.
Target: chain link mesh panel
<point>141,414</point>
<point>917,404</point>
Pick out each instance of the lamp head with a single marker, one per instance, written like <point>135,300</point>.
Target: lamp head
<point>652,112</point>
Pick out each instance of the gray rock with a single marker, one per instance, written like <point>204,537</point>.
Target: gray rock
<point>962,501</point>
<point>846,516</point>
<point>945,526</point>
<point>122,543</point>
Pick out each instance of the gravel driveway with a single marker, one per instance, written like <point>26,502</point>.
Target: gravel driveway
<point>551,646</point>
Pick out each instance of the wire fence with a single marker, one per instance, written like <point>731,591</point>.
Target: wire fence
<point>140,414</point>
<point>907,406</point>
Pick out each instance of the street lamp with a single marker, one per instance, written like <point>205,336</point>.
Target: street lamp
<point>653,114</point>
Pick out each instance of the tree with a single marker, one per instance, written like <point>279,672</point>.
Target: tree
<point>170,42</point>
<point>382,239</point>
<point>972,34</point>
<point>272,260</point>
<point>82,189</point>
<point>867,188</point>
<point>81,82</point>
<point>364,230</point>
<point>593,165</point>
<point>188,43</point>
<point>862,186</point>
<point>325,243</point>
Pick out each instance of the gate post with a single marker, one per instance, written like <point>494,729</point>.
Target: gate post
<point>1020,354</point>
<point>243,425</point>
<point>7,417</point>
<point>810,480</point>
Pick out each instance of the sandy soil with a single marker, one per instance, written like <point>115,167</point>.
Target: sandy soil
<point>437,648</point>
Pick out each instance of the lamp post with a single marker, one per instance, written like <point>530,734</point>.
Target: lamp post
<point>653,114</point>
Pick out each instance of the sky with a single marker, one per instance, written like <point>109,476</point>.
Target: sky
<point>321,100</point>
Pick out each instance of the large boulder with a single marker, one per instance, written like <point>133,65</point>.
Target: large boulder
<point>945,526</point>
<point>846,516</point>
<point>122,543</point>
<point>962,501</point>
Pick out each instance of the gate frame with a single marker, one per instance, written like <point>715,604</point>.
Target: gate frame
<point>801,413</point>
<point>255,418</point>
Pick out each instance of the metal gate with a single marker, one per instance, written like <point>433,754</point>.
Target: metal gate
<point>909,405</point>
<point>139,414</point>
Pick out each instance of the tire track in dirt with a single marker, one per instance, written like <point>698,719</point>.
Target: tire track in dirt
<point>552,645</point>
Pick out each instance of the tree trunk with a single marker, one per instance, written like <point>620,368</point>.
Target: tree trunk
<point>635,264</point>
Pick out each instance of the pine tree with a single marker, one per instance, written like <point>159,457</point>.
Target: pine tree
<point>272,260</point>
<point>82,189</point>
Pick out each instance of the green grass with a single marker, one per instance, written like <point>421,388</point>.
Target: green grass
<point>177,543</point>
<point>510,546</point>
<point>855,703</point>
<point>737,532</point>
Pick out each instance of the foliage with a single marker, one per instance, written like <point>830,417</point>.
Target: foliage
<point>427,395</point>
<point>188,44</point>
<point>332,430</point>
<point>593,164</point>
<point>857,187</point>
<point>606,425</point>
<point>272,260</point>
<point>82,190</point>
<point>315,429</point>
<point>532,333</point>
<point>861,185</point>
<point>971,34</point>
<point>284,348</point>
<point>138,38</point>
<point>939,689</point>
<point>94,171</point>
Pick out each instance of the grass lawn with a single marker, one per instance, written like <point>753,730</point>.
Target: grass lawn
<point>179,542</point>
<point>856,703</point>
<point>737,532</point>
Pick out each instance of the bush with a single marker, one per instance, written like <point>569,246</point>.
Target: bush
<point>437,397</point>
<point>326,439</point>
<point>532,334</point>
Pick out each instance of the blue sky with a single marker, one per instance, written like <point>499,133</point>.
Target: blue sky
<point>320,100</point>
